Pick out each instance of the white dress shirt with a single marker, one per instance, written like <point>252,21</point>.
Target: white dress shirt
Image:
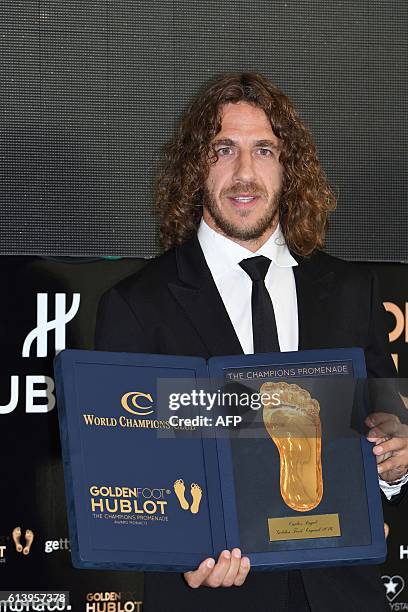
<point>235,288</point>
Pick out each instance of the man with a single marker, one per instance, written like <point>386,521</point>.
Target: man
<point>241,180</point>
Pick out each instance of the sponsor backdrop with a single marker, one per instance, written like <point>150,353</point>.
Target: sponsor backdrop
<point>49,304</point>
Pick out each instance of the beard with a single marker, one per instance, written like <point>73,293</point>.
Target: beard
<point>249,231</point>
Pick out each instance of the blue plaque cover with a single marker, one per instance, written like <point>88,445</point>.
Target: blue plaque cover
<point>140,499</point>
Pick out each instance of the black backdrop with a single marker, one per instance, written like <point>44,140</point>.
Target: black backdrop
<point>90,92</point>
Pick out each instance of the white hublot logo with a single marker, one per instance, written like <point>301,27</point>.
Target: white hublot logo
<point>62,317</point>
<point>31,393</point>
<point>38,389</point>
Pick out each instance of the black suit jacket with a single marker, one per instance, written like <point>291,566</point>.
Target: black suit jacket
<point>172,306</point>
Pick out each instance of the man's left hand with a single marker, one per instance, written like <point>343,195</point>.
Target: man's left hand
<point>391,444</point>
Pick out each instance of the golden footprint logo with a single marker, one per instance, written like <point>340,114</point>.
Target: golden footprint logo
<point>16,535</point>
<point>196,494</point>
<point>294,426</point>
<point>179,490</point>
<point>29,537</point>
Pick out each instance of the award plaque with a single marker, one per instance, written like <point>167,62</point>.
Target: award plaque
<point>303,490</point>
<point>288,479</point>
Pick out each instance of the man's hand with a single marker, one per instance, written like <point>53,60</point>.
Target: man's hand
<point>230,570</point>
<point>391,444</point>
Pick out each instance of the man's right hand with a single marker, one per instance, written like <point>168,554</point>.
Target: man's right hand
<point>231,569</point>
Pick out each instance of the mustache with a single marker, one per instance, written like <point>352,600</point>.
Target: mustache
<point>240,188</point>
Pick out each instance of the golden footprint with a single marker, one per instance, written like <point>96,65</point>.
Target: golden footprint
<point>29,537</point>
<point>294,426</point>
<point>16,535</point>
<point>196,494</point>
<point>179,490</point>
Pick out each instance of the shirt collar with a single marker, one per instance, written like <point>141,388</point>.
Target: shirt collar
<point>223,254</point>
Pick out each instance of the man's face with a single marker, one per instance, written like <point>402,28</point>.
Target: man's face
<point>243,187</point>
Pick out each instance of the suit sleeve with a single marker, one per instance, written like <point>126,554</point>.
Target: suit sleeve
<point>117,327</point>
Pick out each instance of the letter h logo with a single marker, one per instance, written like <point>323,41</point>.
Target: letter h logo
<point>62,317</point>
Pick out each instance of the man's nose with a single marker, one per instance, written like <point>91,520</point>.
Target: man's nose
<point>244,169</point>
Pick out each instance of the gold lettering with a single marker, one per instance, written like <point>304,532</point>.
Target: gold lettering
<point>150,507</point>
<point>162,505</point>
<point>96,505</point>
<point>125,506</point>
<point>115,505</point>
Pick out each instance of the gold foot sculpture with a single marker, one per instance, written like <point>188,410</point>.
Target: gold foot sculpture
<point>294,426</point>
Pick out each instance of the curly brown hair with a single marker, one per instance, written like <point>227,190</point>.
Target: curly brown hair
<point>306,198</point>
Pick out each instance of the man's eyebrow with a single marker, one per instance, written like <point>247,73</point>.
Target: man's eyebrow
<point>228,142</point>
<point>267,143</point>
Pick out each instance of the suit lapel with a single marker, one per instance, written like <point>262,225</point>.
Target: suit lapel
<point>198,295</point>
<point>314,285</point>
